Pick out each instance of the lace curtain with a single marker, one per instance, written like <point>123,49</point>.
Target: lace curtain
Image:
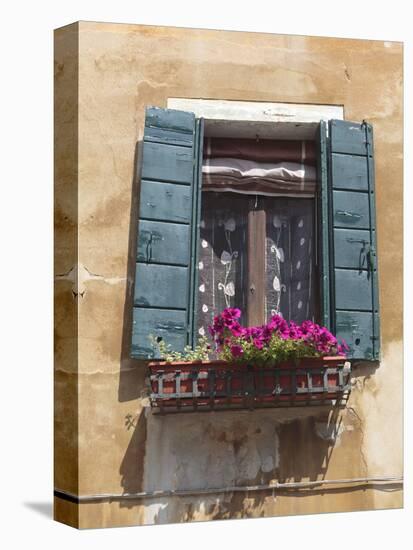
<point>283,174</point>
<point>289,257</point>
<point>222,256</point>
<point>289,262</point>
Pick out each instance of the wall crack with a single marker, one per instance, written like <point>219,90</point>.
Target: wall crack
<point>360,423</point>
<point>79,274</point>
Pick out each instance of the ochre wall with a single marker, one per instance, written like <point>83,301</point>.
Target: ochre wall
<point>116,444</point>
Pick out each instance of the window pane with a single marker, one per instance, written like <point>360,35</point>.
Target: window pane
<point>222,256</point>
<point>290,277</point>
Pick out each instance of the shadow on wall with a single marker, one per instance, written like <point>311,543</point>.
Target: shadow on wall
<point>132,466</point>
<point>361,371</point>
<point>132,371</point>
<point>216,450</point>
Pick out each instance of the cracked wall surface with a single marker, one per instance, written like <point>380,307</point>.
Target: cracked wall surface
<point>107,440</point>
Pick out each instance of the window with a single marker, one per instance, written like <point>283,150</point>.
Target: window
<point>257,254</point>
<point>189,235</point>
<point>257,228</point>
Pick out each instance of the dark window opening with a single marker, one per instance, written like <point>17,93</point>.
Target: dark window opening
<point>257,231</point>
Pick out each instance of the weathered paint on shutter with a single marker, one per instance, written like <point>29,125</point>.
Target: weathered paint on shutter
<point>323,225</point>
<point>195,236</point>
<point>164,279</point>
<point>353,284</point>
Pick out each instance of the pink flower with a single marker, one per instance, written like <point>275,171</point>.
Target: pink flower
<point>294,331</point>
<point>256,332</point>
<point>342,348</point>
<point>229,334</point>
<point>344,344</point>
<point>236,350</point>
<point>258,343</point>
<point>231,313</point>
<point>236,329</point>
<point>279,326</point>
<point>266,334</point>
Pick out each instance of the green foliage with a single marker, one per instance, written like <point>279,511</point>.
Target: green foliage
<point>278,350</point>
<point>201,352</point>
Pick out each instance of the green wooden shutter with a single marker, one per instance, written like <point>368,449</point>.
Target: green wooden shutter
<point>323,228</point>
<point>164,290</point>
<point>349,245</point>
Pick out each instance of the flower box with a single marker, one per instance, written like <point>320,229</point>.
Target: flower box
<point>212,385</point>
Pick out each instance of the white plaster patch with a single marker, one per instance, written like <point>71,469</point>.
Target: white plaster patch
<point>189,452</point>
<point>224,109</point>
<point>79,274</point>
<point>153,512</point>
<point>381,415</point>
<point>267,464</point>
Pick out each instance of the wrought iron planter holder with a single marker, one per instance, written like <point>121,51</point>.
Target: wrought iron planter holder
<point>217,385</point>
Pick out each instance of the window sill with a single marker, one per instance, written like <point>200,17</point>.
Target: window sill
<point>221,385</point>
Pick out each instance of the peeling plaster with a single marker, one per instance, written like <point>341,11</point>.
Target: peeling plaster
<point>347,73</point>
<point>378,398</point>
<point>79,274</point>
<point>154,511</point>
<point>209,451</point>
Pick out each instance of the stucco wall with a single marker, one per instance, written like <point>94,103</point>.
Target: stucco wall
<point>107,441</point>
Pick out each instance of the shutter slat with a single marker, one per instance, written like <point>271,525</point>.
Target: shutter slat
<point>352,239</point>
<point>161,243</point>
<point>176,165</point>
<point>351,209</point>
<point>356,328</point>
<point>353,290</point>
<point>347,137</point>
<point>165,201</point>
<point>349,172</point>
<point>157,135</point>
<point>350,248</point>
<point>163,292</point>
<point>161,323</point>
<point>161,286</point>
<point>169,120</point>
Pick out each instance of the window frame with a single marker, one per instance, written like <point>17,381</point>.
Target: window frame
<point>256,224</point>
<point>168,141</point>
